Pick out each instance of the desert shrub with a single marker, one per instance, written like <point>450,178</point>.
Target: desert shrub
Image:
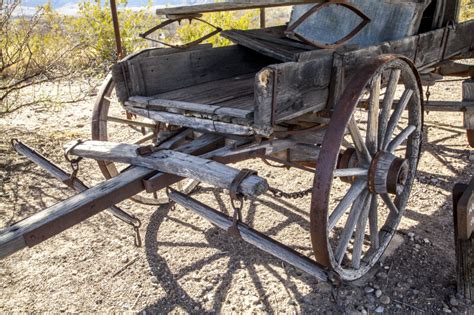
<point>93,27</point>
<point>47,48</point>
<point>226,20</point>
<point>467,10</point>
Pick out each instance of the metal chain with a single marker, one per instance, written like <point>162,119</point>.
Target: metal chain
<point>292,195</point>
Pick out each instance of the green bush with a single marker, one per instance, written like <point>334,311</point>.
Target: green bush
<point>226,20</point>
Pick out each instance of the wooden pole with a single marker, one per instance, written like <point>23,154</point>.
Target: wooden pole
<point>55,219</point>
<point>118,41</point>
<point>463,214</point>
<point>251,236</point>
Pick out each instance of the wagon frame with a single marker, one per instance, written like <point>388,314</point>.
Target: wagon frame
<point>334,112</point>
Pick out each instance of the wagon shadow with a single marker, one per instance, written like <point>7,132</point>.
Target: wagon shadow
<point>438,270</point>
<point>239,255</point>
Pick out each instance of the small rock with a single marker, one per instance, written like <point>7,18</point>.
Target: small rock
<point>368,289</point>
<point>411,234</point>
<point>385,299</point>
<point>378,293</point>
<point>379,309</point>
<point>426,241</point>
<point>382,275</point>
<point>471,156</point>
<point>453,301</point>
<point>261,307</point>
<point>154,279</point>
<point>196,308</point>
<point>124,260</point>
<point>417,246</point>
<point>209,286</point>
<point>446,310</point>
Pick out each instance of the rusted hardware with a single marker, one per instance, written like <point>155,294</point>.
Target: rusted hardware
<point>347,159</point>
<point>387,173</point>
<point>290,195</point>
<point>74,163</point>
<point>115,22</point>
<point>365,20</point>
<point>178,19</point>
<point>236,197</point>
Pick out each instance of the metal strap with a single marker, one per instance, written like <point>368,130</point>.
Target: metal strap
<point>235,195</point>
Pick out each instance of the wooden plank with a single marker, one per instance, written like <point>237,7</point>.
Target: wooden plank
<point>390,20</point>
<point>180,107</point>
<point>269,49</point>
<point>214,92</point>
<point>55,219</point>
<point>170,72</point>
<point>288,90</point>
<point>463,208</point>
<point>228,6</point>
<point>251,236</point>
<point>121,73</point>
<point>173,162</point>
<point>460,39</point>
<point>192,122</point>
<point>448,106</point>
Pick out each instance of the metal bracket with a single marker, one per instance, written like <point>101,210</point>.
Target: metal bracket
<point>178,18</point>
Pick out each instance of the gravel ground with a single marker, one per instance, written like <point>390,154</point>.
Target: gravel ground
<point>188,265</point>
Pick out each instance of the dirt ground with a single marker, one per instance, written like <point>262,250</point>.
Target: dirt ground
<point>187,265</point>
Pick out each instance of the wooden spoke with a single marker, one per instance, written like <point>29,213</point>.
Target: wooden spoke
<point>130,122</point>
<point>390,205</point>
<point>373,223</point>
<point>348,172</point>
<point>356,210</point>
<point>402,136</point>
<point>351,195</point>
<point>145,138</point>
<point>362,151</point>
<point>373,117</point>
<point>394,119</point>
<point>387,103</point>
<point>360,232</point>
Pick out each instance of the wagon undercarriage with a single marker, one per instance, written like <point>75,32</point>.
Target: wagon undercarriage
<point>350,116</point>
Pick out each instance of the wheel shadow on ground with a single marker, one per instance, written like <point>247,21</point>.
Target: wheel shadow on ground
<point>239,254</point>
<point>436,267</point>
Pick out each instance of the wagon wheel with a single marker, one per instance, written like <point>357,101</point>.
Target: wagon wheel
<point>374,142</point>
<point>138,130</point>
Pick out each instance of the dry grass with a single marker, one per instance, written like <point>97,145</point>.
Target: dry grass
<point>467,10</point>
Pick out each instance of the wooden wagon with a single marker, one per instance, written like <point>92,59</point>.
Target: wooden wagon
<point>337,93</point>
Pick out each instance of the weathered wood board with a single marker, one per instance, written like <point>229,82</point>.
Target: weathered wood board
<point>463,210</point>
<point>172,162</point>
<point>389,20</point>
<point>229,6</point>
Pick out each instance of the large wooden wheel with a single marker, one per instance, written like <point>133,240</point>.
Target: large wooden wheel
<point>366,166</point>
<point>110,122</point>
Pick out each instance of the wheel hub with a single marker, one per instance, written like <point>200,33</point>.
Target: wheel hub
<point>388,173</point>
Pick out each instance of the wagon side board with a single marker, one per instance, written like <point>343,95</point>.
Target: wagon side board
<point>425,50</point>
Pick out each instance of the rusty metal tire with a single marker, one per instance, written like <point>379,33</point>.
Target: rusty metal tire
<point>323,238</point>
